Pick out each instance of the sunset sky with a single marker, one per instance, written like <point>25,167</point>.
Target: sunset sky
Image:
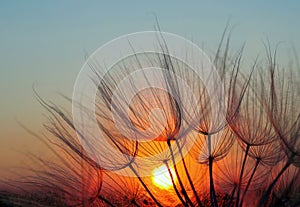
<point>43,44</point>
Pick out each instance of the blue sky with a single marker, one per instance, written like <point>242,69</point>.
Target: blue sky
<point>44,43</point>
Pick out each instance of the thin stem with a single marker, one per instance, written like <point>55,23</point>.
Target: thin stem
<point>106,201</point>
<point>249,181</point>
<point>178,176</point>
<point>174,185</point>
<point>145,186</point>
<point>231,196</point>
<point>266,194</point>
<point>213,197</point>
<point>241,175</point>
<point>189,177</point>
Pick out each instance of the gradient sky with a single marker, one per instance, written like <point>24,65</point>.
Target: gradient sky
<point>43,43</point>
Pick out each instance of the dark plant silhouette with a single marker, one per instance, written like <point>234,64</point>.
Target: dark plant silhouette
<point>281,104</point>
<point>242,149</point>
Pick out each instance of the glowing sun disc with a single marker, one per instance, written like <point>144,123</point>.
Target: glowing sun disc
<point>161,177</point>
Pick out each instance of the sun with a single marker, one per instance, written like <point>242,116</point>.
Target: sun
<point>161,177</point>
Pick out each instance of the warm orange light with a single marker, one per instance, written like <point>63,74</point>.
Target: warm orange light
<point>161,177</point>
